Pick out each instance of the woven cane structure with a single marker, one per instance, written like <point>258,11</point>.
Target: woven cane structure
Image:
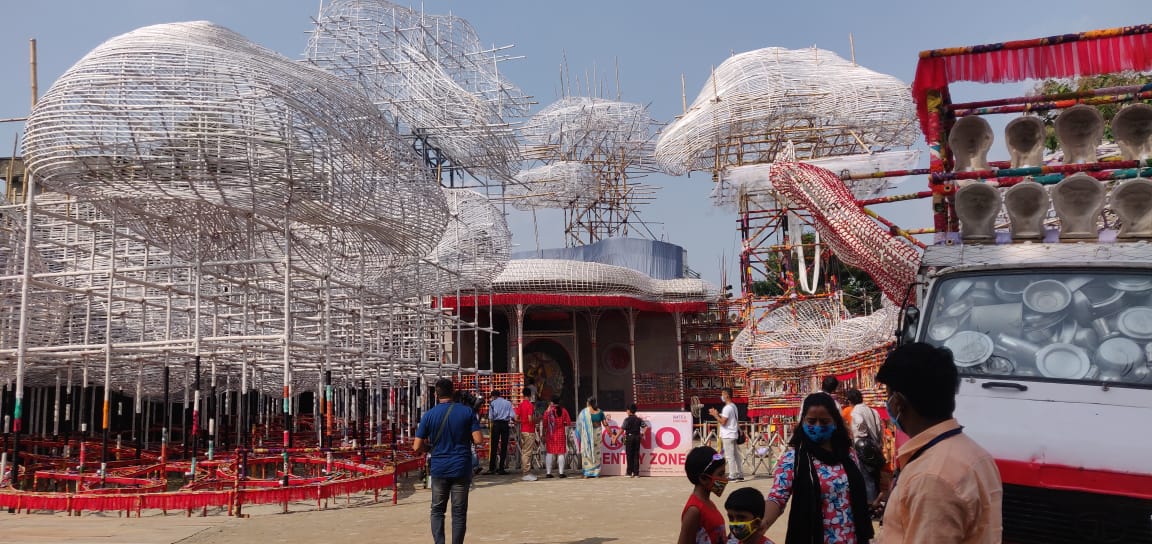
<point>551,276</point>
<point>761,116</point>
<point>558,184</point>
<point>755,180</point>
<point>851,234</point>
<point>760,100</point>
<point>46,309</point>
<point>790,336</point>
<point>217,223</point>
<point>219,202</point>
<point>593,152</point>
<point>810,332</point>
<point>431,73</point>
<point>474,250</point>
<point>219,141</point>
<point>581,127</point>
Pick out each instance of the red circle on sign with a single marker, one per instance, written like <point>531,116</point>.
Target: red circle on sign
<point>660,438</point>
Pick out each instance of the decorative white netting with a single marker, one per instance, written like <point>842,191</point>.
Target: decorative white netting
<point>430,72</point>
<point>760,100</point>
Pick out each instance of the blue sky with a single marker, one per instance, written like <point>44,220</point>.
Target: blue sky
<point>653,42</point>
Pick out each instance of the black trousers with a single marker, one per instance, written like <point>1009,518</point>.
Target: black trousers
<point>632,452</point>
<point>499,435</point>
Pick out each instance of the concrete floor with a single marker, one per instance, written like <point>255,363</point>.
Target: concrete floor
<point>502,509</point>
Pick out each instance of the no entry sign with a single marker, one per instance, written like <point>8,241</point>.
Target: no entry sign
<point>664,444</point>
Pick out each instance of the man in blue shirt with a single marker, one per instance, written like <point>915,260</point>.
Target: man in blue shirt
<point>448,431</point>
<point>500,416</point>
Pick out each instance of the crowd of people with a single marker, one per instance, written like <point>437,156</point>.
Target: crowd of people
<point>945,489</point>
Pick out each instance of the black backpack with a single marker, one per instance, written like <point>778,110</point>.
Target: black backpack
<point>869,452</point>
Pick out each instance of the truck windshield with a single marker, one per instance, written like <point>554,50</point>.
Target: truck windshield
<point>1047,325</point>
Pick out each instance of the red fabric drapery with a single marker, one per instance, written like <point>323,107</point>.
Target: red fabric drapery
<point>1070,55</point>
<point>378,478</point>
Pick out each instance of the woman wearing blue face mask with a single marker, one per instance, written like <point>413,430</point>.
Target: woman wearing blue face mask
<point>820,475</point>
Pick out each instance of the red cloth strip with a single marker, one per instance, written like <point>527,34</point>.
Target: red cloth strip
<point>1099,53</point>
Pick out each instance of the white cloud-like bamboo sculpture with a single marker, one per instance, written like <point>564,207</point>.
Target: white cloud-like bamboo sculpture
<point>203,196</point>
<point>209,143</point>
<point>561,184</point>
<point>762,99</point>
<point>588,146</point>
<point>428,71</point>
<point>474,250</point>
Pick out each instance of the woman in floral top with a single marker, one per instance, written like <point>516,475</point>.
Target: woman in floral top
<point>819,473</point>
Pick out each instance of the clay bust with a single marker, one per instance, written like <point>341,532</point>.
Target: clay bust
<point>977,206</point>
<point>970,140</point>
<point>1079,130</point>
<point>1078,200</point>
<point>1027,206</point>
<point>1132,129</point>
<point>1025,140</point>
<point>1132,202</point>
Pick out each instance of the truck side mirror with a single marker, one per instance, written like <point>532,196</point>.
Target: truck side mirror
<point>911,324</point>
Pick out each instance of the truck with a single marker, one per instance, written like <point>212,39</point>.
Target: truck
<point>1051,331</point>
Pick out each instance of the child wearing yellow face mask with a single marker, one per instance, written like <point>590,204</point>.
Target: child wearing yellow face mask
<point>745,508</point>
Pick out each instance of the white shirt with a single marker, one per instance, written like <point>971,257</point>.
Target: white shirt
<point>731,427</point>
<point>865,423</point>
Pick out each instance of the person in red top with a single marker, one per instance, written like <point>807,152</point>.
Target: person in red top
<point>525,414</point>
<point>700,521</point>
<point>556,422</point>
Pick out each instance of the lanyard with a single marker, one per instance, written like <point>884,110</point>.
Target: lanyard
<point>942,437</point>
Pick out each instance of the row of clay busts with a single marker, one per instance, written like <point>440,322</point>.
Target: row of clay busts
<point>1078,200</point>
<point>1079,129</point>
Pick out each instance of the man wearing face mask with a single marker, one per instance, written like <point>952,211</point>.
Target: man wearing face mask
<point>948,488</point>
<point>729,420</point>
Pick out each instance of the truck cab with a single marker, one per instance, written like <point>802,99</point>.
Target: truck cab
<point>1053,342</point>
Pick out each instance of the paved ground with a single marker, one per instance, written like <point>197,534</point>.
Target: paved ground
<point>503,509</point>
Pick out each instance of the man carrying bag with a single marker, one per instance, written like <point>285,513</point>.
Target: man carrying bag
<point>448,431</point>
<point>867,438</point>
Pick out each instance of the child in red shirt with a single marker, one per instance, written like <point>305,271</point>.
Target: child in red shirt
<point>701,522</point>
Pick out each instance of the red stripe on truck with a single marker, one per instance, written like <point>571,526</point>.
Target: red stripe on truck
<point>1067,478</point>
